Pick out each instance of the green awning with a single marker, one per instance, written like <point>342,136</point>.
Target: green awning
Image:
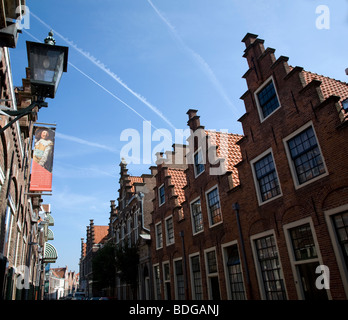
<point>50,255</point>
<point>50,220</point>
<point>50,235</point>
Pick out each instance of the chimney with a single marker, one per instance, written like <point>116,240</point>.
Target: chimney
<point>159,158</point>
<point>193,122</point>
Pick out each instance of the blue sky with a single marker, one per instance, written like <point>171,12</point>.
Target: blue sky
<point>140,59</point>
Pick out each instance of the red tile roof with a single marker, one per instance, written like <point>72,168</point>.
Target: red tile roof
<point>329,86</point>
<point>100,233</point>
<point>59,272</point>
<point>178,179</point>
<point>134,179</point>
<point>227,149</point>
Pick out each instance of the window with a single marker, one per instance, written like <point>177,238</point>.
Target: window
<point>341,228</point>
<point>306,160</point>
<point>179,280</point>
<point>129,231</point>
<point>196,278</point>
<point>234,273</point>
<point>211,261</point>
<point>345,105</point>
<point>214,209</point>
<point>136,225</point>
<point>161,194</point>
<point>199,163</point>
<point>197,218</point>
<point>303,243</point>
<point>212,275</point>
<point>272,279</point>
<point>169,231</point>
<point>157,282</point>
<point>267,179</point>
<point>267,100</point>
<point>159,238</point>
<point>304,258</point>
<point>166,278</point>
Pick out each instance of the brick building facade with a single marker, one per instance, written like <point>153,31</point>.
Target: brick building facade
<point>130,225</point>
<point>273,217</point>
<point>261,216</point>
<point>96,237</point>
<point>293,195</point>
<point>19,210</point>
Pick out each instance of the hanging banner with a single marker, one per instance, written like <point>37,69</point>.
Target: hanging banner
<point>42,164</point>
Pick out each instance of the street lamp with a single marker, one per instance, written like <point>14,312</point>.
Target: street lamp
<point>47,62</point>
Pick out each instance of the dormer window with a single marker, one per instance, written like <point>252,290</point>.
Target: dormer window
<point>267,99</point>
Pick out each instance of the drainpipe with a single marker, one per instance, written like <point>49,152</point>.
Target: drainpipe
<point>236,208</point>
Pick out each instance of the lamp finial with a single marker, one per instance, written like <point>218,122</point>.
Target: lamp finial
<point>50,40</point>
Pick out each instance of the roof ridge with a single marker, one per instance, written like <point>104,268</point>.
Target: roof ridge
<point>327,77</point>
<point>221,132</point>
<point>177,169</point>
<point>321,75</point>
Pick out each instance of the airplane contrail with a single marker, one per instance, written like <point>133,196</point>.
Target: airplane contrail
<point>106,90</point>
<point>102,66</point>
<point>196,57</point>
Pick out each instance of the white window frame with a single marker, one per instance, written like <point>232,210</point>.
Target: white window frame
<point>294,263</point>
<point>194,164</point>
<point>262,118</point>
<point>159,195</point>
<point>164,263</point>
<point>224,259</point>
<point>136,225</point>
<point>158,245</point>
<point>9,225</point>
<point>192,218</point>
<point>193,255</point>
<point>129,231</point>
<point>208,208</point>
<point>168,243</point>
<point>336,245</point>
<point>211,275</point>
<point>156,289</point>
<point>253,239</point>
<point>256,182</point>
<point>291,163</point>
<point>175,276</point>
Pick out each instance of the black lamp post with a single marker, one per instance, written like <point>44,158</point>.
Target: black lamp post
<point>47,62</point>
